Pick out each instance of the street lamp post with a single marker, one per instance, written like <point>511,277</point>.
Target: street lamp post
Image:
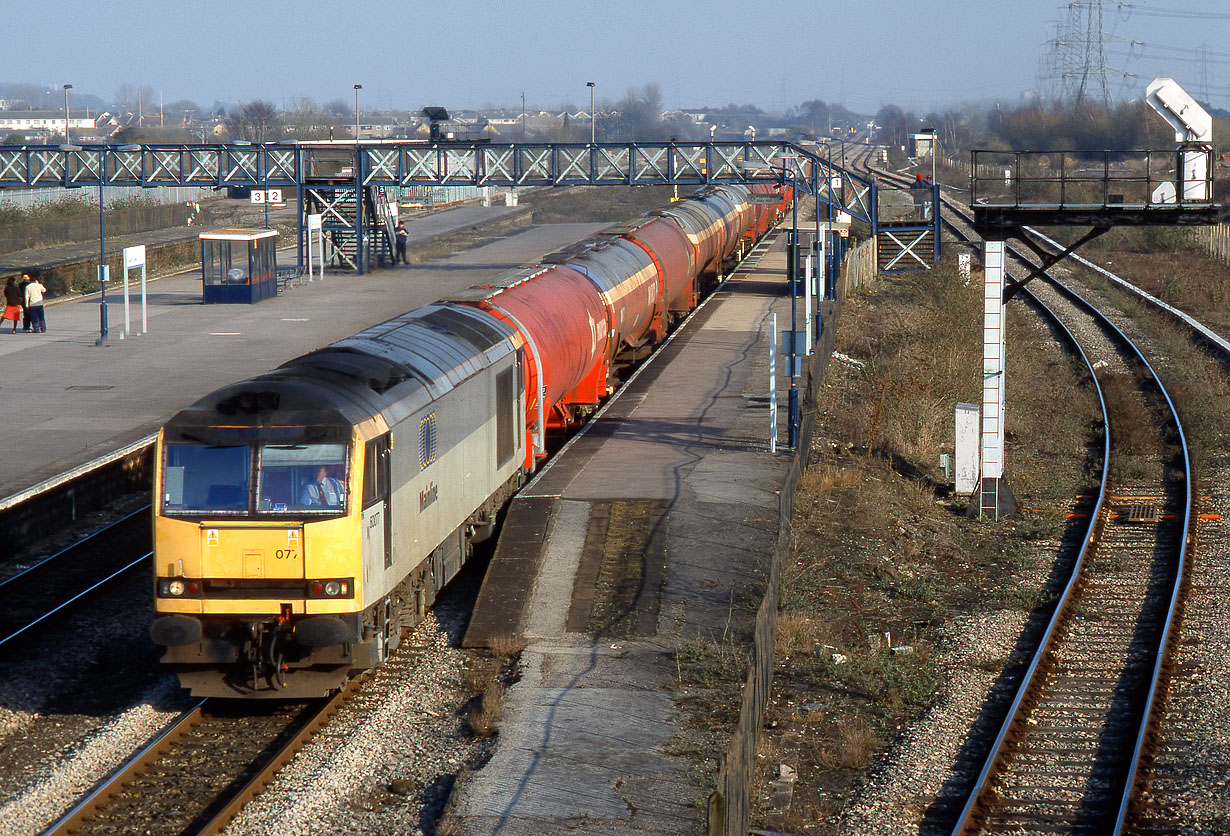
<point>263,160</point>
<point>102,256</point>
<point>357,88</point>
<point>67,87</point>
<point>593,115</point>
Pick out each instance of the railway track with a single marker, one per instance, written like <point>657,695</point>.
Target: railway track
<point>198,772</point>
<point>1072,752</point>
<point>71,576</point>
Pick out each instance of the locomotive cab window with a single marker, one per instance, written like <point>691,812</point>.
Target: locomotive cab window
<point>376,470</point>
<point>203,478</point>
<point>302,477</point>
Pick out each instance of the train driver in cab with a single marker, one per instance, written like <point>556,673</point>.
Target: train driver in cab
<point>323,491</point>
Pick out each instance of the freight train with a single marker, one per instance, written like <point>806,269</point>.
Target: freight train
<point>306,515</point>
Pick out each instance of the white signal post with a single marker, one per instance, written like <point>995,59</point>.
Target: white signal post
<point>992,491</point>
<point>772,383</point>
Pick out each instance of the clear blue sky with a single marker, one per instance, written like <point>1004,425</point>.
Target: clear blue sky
<point>917,54</point>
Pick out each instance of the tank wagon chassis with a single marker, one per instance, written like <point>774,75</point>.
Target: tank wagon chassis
<point>306,515</point>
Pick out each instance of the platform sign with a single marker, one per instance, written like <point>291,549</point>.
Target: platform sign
<point>315,224</point>
<point>794,342</point>
<point>266,196</point>
<point>134,257</point>
<point>968,430</point>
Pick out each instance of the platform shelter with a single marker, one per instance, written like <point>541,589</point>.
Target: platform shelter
<point>239,265</point>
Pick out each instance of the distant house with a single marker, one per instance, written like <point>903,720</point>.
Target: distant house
<point>45,121</point>
<point>377,126</point>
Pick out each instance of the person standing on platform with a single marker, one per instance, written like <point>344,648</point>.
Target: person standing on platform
<point>25,311</point>
<point>922,196</point>
<point>401,235</point>
<point>14,302</point>
<point>34,304</point>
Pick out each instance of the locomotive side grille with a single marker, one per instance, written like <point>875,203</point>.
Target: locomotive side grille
<point>427,441</point>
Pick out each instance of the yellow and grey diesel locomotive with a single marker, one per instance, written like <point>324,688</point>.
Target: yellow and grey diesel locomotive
<point>307,514</point>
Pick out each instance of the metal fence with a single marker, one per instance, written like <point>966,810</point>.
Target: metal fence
<point>52,231</point>
<point>1215,240</point>
<point>25,199</point>
<point>432,196</point>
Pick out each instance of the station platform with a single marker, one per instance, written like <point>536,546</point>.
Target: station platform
<point>650,533</point>
<point>66,402</point>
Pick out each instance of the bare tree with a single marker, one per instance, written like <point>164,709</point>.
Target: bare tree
<point>30,95</point>
<point>256,121</point>
<point>638,116</point>
<point>307,121</point>
<point>126,96</point>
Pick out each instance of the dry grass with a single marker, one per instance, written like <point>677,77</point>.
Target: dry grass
<point>880,548</point>
<point>803,633</point>
<point>484,721</point>
<point>449,824</point>
<point>856,744</point>
<point>487,682</point>
<point>506,646</point>
<point>825,479</point>
<point>876,549</point>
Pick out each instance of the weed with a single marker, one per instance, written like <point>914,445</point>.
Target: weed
<point>707,663</point>
<point>856,743</point>
<point>827,479</point>
<point>799,633</point>
<point>924,587</point>
<point>1041,526</point>
<point>484,719</point>
<point>506,646</point>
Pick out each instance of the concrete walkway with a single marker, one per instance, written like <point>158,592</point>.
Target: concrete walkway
<point>594,738</point>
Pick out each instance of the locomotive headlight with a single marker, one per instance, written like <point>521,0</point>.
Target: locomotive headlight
<point>333,588</point>
<point>175,588</point>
